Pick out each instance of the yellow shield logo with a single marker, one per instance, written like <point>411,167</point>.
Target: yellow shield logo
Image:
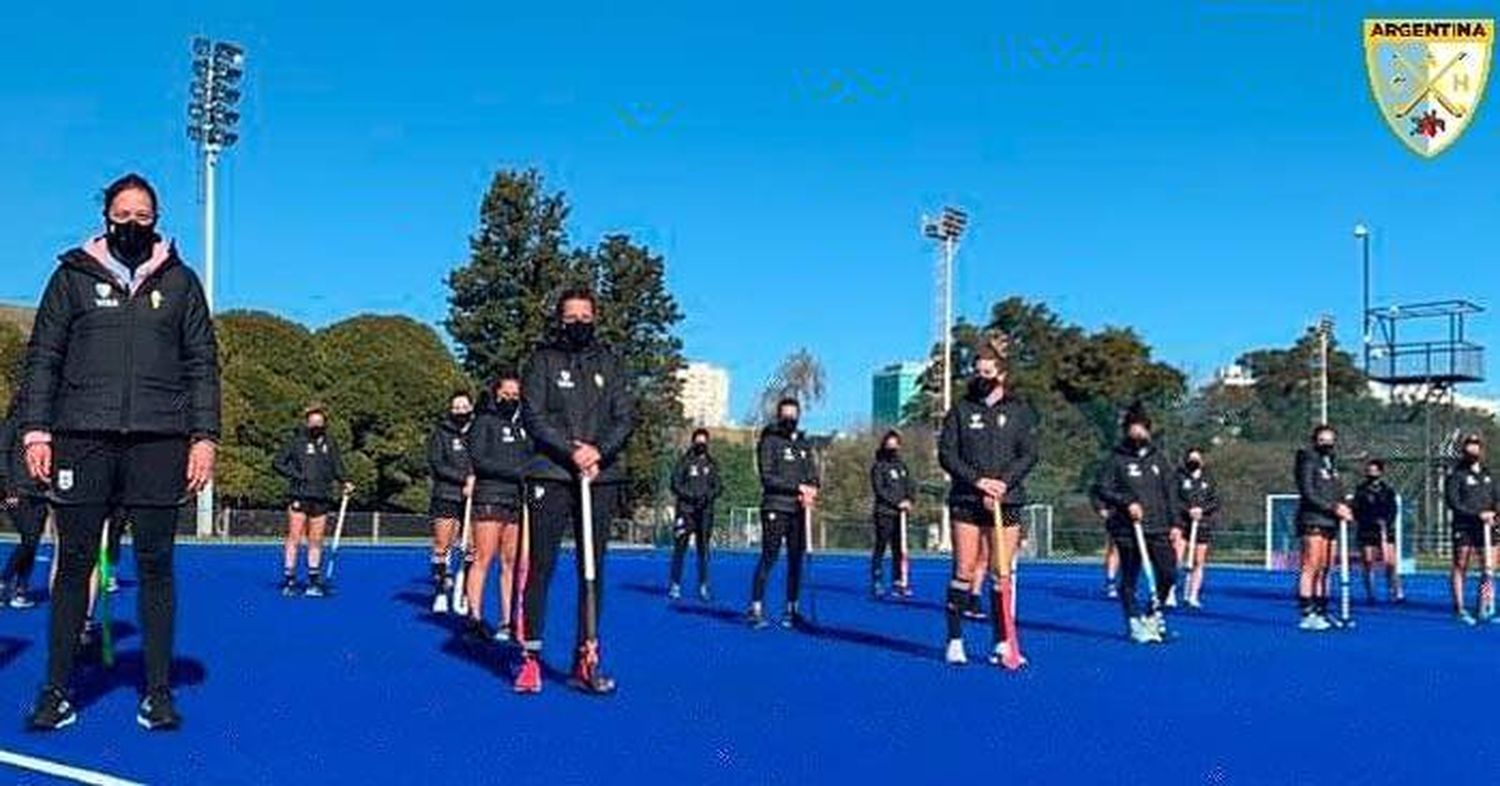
<point>1428,76</point>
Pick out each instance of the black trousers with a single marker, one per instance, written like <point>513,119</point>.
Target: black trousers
<point>1163,566</point>
<point>887,534</point>
<point>693,522</point>
<point>556,509</point>
<point>29,516</point>
<point>79,528</point>
<point>776,526</point>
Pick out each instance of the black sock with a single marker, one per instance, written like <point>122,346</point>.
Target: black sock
<point>289,575</point>
<point>1305,605</point>
<point>958,600</point>
<point>995,614</point>
<point>315,575</point>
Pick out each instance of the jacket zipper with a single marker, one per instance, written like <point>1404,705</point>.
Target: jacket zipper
<point>129,392</point>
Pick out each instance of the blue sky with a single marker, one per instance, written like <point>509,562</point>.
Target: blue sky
<point>1193,170</point>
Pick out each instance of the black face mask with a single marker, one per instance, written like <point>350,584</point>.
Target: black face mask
<point>788,426</point>
<point>131,243</point>
<point>1472,458</point>
<point>1325,448</point>
<point>461,419</point>
<point>1138,444</point>
<point>578,335</point>
<point>508,407</point>
<point>700,448</point>
<point>317,432</point>
<point>889,454</point>
<point>1194,466</point>
<point>983,386</point>
<point>1374,479</point>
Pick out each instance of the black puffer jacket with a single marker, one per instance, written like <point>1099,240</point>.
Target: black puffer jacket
<point>1320,489</point>
<point>786,462</point>
<point>1131,475</point>
<point>503,457</point>
<point>1375,503</point>
<point>981,441</point>
<point>581,395</point>
<point>312,466</point>
<point>695,481</point>
<point>1197,490</point>
<point>105,359</point>
<point>448,460</point>
<point>891,483</point>
<point>1471,491</point>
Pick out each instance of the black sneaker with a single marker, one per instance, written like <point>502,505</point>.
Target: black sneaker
<point>289,587</point>
<point>52,711</point>
<point>156,712</point>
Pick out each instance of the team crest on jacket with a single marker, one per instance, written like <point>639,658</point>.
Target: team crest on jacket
<point>976,421</point>
<point>105,296</point>
<point>895,474</point>
<point>565,379</point>
<point>156,299</point>
<point>1001,419</point>
<point>65,480</point>
<point>1428,76</point>
<point>1134,470</point>
<point>458,444</point>
<point>598,380</point>
<point>1187,484</point>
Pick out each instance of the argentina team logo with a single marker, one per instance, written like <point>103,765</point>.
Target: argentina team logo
<point>1428,76</point>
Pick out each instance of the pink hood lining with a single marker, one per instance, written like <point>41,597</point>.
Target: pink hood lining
<point>98,248</point>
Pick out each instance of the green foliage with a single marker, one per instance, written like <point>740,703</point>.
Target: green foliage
<point>737,473</point>
<point>389,379</point>
<point>502,301</point>
<point>12,353</point>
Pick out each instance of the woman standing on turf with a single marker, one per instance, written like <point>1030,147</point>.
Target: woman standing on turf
<point>1136,484</point>
<point>1198,498</point>
<point>1375,514</point>
<point>895,492</point>
<point>1473,499</point>
<point>120,406</point>
<point>501,452</point>
<point>1321,506</point>
<point>789,490</point>
<point>448,462</point>
<point>22,501</point>
<point>696,487</point>
<point>314,470</point>
<point>988,447</point>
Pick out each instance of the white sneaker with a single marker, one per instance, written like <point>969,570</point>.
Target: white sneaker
<point>1156,626</point>
<point>1315,622</point>
<point>1140,630</point>
<point>440,603</point>
<point>1002,649</point>
<point>956,655</point>
<point>1172,599</point>
<point>1194,603</point>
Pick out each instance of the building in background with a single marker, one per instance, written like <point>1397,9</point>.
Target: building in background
<point>892,388</point>
<point>1234,375</point>
<point>705,395</point>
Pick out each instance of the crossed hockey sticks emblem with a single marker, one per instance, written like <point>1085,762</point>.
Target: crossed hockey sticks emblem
<point>1431,88</point>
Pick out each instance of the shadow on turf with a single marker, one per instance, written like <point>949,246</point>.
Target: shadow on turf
<point>496,658</point>
<point>10,649</point>
<point>94,681</point>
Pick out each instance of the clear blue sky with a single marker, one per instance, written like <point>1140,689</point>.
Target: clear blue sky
<point>1192,170</point>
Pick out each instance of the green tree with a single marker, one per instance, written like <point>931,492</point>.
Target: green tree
<point>1286,380</point>
<point>637,315</point>
<point>389,379</point>
<point>501,301</point>
<point>12,354</point>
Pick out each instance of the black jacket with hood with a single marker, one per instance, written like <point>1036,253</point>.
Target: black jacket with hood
<point>695,480</point>
<point>1136,475</point>
<point>106,358</point>
<point>582,395</point>
<point>503,456</point>
<point>982,441</point>
<point>312,466</point>
<point>786,462</point>
<point>448,459</point>
<point>1320,489</point>
<point>891,483</point>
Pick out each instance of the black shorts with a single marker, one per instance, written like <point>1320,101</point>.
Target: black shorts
<point>312,508</point>
<point>1369,537</point>
<point>1305,530</point>
<point>504,511</point>
<point>445,509</point>
<point>975,513</point>
<point>119,470</point>
<point>1466,535</point>
<point>1205,533</point>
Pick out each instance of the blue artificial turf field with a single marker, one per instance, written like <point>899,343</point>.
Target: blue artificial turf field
<point>367,687</point>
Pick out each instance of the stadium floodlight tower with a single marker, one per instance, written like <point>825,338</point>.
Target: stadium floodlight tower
<point>218,68</point>
<point>947,228</point>
<point>1362,234</point>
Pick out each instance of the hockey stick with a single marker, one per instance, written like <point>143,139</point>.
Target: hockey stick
<point>1487,589</point>
<point>807,555</point>
<point>1146,566</point>
<point>56,551</point>
<point>590,653</point>
<point>460,601</point>
<point>1005,591</point>
<point>1192,549</point>
<point>338,537</point>
<point>1344,617</point>
<point>522,572</point>
<point>905,557</point>
<point>107,639</point>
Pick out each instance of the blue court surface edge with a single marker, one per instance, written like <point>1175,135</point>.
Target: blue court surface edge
<point>369,687</point>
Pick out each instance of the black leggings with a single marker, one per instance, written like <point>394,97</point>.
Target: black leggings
<point>696,523</point>
<point>79,528</point>
<point>555,510</point>
<point>888,533</point>
<point>1163,566</point>
<point>29,517</point>
<point>776,526</point>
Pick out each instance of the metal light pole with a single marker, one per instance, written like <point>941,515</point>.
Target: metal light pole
<point>1325,329</point>
<point>1362,233</point>
<point>218,68</point>
<point>947,228</point>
